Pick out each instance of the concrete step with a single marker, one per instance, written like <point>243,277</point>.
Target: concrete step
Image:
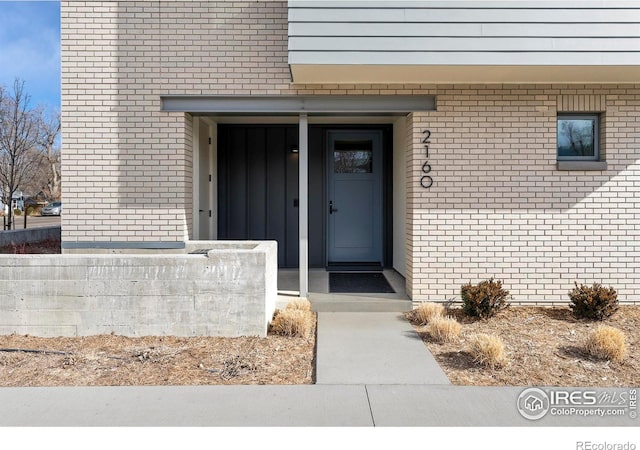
<point>357,303</point>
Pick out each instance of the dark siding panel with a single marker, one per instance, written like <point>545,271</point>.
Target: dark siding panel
<point>258,178</point>
<point>222,214</point>
<point>292,173</point>
<point>275,211</point>
<point>237,176</point>
<point>257,190</point>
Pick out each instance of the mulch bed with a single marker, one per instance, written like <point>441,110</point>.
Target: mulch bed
<point>544,347</point>
<point>110,360</point>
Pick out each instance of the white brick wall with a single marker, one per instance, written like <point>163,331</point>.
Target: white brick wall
<point>127,166</point>
<point>498,206</point>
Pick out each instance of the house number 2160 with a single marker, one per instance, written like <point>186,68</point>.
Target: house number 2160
<point>426,181</point>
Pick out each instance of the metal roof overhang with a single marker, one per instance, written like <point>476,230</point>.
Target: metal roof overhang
<point>463,74</point>
<point>294,105</point>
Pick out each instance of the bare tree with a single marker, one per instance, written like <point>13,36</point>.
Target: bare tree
<point>19,133</point>
<point>49,125</point>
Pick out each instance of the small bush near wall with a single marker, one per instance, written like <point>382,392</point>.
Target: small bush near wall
<point>593,302</point>
<point>485,299</point>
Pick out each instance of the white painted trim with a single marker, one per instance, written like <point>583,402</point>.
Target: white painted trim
<point>606,4</point>
<point>303,161</point>
<point>400,195</point>
<point>462,58</point>
<point>195,180</point>
<point>213,186</point>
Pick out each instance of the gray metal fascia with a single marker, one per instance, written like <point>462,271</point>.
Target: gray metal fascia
<point>361,104</point>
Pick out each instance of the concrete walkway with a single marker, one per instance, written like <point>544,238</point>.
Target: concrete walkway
<point>372,348</point>
<point>372,370</point>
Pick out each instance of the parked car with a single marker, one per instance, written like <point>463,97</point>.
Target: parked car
<point>52,209</point>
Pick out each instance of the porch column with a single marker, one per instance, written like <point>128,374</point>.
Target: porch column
<point>303,161</point>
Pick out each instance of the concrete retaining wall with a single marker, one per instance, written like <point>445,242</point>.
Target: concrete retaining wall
<point>29,235</point>
<point>225,289</point>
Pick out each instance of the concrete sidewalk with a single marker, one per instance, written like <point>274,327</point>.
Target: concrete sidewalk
<point>309,405</point>
<point>372,370</point>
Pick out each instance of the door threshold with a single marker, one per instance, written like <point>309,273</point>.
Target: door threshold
<point>354,267</point>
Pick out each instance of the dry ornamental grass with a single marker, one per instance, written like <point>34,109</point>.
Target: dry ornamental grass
<point>488,350</point>
<point>427,312</point>
<point>444,329</point>
<point>294,322</point>
<point>607,342</point>
<point>300,304</point>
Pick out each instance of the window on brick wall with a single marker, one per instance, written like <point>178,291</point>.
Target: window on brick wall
<point>578,137</point>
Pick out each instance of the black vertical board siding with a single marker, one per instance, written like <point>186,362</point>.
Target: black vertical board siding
<point>276,199</point>
<point>292,194</point>
<point>256,183</point>
<point>222,180</point>
<point>237,184</point>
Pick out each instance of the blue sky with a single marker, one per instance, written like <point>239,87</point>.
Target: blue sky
<point>30,48</point>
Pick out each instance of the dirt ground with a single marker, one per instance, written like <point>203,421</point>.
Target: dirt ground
<point>544,348</point>
<point>110,360</point>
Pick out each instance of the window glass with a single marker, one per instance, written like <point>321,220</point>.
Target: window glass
<point>353,157</point>
<point>577,137</point>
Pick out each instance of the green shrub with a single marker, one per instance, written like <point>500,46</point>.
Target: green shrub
<point>485,299</point>
<point>17,212</point>
<point>593,302</point>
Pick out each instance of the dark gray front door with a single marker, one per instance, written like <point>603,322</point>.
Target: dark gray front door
<point>354,196</point>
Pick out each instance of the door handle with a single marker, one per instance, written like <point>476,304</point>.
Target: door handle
<point>331,208</point>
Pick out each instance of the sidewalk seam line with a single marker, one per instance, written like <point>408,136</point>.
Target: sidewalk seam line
<point>373,420</point>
